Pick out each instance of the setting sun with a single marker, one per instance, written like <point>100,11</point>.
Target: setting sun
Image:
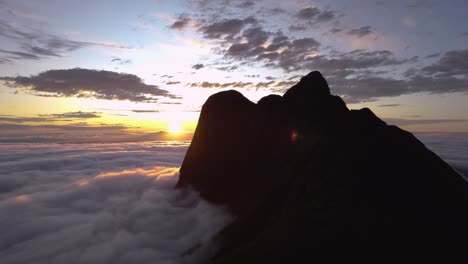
<point>175,126</point>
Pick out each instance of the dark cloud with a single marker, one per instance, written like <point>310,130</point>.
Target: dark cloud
<point>146,111</point>
<point>465,34</point>
<point>252,75</point>
<point>20,120</point>
<point>98,204</point>
<point>229,68</point>
<point>361,32</point>
<point>357,75</point>
<point>354,60</point>
<point>216,85</point>
<point>433,55</point>
<point>172,82</point>
<point>335,30</point>
<point>308,13</point>
<point>276,11</point>
<point>121,61</point>
<point>260,85</point>
<point>35,44</point>
<point>256,36</point>
<point>285,84</point>
<point>78,114</point>
<point>389,105</point>
<point>297,28</point>
<point>88,83</point>
<point>226,28</point>
<point>198,66</point>
<point>181,23</point>
<point>314,14</point>
<point>69,116</point>
<point>281,51</point>
<point>451,64</point>
<point>246,4</point>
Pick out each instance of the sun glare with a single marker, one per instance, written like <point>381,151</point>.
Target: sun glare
<point>175,126</point>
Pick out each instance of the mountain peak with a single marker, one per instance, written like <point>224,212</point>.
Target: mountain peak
<point>303,168</point>
<point>312,86</point>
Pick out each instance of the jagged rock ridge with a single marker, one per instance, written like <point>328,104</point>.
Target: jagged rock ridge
<point>302,169</point>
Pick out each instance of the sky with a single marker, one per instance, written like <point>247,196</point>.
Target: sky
<point>102,71</point>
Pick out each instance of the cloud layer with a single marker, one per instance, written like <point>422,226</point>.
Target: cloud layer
<point>451,147</point>
<point>106,203</point>
<point>294,40</point>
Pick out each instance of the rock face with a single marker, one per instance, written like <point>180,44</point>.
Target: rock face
<point>303,170</point>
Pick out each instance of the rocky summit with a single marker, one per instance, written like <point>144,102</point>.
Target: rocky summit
<point>300,171</point>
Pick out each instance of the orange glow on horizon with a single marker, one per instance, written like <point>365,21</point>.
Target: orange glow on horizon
<point>24,198</point>
<point>157,171</point>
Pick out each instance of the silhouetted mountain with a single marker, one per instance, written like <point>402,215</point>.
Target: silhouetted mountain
<point>303,170</point>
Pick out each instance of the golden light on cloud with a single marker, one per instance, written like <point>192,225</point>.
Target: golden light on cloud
<point>24,198</point>
<point>82,182</point>
<point>157,171</point>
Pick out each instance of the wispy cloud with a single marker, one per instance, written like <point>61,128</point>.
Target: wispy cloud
<point>35,44</point>
<point>360,32</point>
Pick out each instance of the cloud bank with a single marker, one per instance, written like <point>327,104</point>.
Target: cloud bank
<point>79,82</point>
<point>106,203</point>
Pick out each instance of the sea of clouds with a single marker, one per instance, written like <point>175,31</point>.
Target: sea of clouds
<point>116,202</point>
<point>101,203</point>
<point>451,147</point>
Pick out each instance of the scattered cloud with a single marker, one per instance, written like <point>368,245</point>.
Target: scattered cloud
<point>35,44</point>
<point>78,114</point>
<point>79,82</point>
<point>226,28</point>
<point>246,4</point>
<point>198,66</point>
<point>389,105</point>
<point>216,85</point>
<point>433,55</point>
<point>360,32</point>
<point>181,23</point>
<point>297,27</point>
<point>172,82</point>
<point>146,111</point>
<point>252,75</point>
<point>314,15</point>
<point>121,61</point>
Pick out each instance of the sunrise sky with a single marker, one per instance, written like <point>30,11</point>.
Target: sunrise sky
<point>124,70</point>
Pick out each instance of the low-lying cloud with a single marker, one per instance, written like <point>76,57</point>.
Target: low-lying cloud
<point>105,203</point>
<point>451,147</point>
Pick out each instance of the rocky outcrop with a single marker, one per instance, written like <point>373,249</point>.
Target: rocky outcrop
<point>302,170</point>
